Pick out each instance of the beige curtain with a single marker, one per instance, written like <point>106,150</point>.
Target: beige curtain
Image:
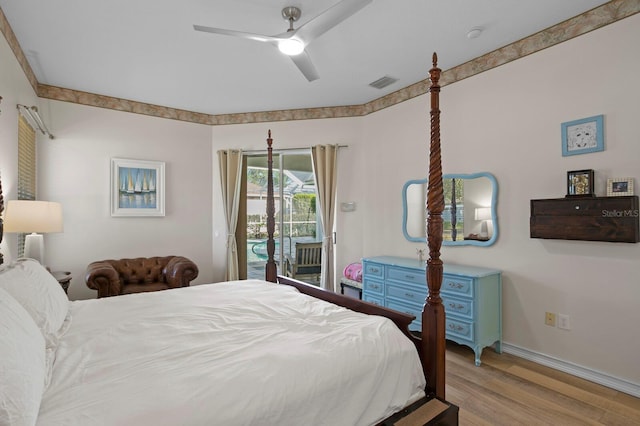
<point>230,176</point>
<point>325,159</point>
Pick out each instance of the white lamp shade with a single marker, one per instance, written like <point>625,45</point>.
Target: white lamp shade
<point>32,216</point>
<point>483,213</point>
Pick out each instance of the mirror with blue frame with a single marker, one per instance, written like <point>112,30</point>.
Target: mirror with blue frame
<point>470,214</point>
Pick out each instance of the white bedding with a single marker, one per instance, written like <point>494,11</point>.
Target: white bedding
<point>232,353</point>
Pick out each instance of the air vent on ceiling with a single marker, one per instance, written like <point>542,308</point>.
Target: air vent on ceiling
<point>383,82</point>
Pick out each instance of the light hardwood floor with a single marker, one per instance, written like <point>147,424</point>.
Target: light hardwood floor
<point>507,390</point>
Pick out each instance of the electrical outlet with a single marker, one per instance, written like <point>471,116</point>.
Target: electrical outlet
<point>550,319</point>
<point>564,322</point>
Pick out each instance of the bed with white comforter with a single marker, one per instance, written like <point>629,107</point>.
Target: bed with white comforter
<point>235,353</point>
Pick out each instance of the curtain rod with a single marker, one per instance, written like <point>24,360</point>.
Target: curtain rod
<point>31,113</point>
<point>275,151</point>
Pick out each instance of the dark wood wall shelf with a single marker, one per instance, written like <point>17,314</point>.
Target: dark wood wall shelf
<point>612,219</point>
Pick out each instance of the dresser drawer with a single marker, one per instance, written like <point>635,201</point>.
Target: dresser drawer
<point>457,285</point>
<point>407,275</point>
<point>407,308</point>
<point>372,286</point>
<point>410,309</point>
<point>462,307</point>
<point>374,269</point>
<point>459,328</point>
<point>372,299</point>
<point>406,293</point>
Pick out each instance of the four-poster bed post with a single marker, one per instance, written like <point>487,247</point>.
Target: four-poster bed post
<point>271,269</point>
<point>433,318</point>
<point>431,344</point>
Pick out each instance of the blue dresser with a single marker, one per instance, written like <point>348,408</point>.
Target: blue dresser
<point>472,297</point>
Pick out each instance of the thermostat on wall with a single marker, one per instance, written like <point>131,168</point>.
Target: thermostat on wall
<point>348,207</point>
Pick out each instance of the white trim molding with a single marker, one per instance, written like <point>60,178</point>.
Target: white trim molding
<point>598,377</point>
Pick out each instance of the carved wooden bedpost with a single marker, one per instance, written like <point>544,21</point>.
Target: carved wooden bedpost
<point>271,269</point>
<point>433,318</point>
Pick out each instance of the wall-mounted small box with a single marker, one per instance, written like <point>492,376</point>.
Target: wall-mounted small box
<point>613,219</point>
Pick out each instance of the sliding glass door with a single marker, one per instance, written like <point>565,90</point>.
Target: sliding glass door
<point>297,220</point>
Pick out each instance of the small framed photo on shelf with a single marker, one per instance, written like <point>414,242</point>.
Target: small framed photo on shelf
<point>580,183</point>
<point>617,187</point>
<point>583,136</point>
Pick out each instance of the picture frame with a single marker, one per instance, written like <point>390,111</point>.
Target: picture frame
<point>618,187</point>
<point>583,136</point>
<point>580,183</point>
<point>137,188</point>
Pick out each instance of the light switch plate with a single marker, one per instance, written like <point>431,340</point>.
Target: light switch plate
<point>348,206</point>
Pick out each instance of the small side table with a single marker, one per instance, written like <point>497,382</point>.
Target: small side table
<point>351,288</point>
<point>64,278</point>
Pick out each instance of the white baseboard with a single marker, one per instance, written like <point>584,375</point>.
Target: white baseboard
<point>573,369</point>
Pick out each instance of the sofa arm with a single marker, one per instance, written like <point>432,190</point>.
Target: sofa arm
<point>180,271</point>
<point>102,276</point>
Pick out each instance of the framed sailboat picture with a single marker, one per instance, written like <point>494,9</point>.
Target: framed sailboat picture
<point>137,187</point>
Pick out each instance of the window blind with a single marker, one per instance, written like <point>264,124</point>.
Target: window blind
<point>26,167</point>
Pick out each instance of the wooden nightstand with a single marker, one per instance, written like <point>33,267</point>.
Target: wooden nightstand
<point>64,278</point>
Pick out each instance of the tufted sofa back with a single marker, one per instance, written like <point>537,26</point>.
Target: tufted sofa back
<point>141,270</point>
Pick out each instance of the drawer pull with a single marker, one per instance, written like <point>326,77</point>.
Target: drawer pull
<point>376,270</point>
<point>457,307</point>
<point>410,277</point>
<point>577,207</point>
<point>376,286</point>
<point>411,295</point>
<point>455,327</point>
<point>455,285</point>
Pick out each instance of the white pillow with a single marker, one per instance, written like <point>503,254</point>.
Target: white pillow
<point>39,293</point>
<point>22,364</point>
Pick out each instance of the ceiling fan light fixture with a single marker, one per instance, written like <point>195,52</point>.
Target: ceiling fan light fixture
<point>291,46</point>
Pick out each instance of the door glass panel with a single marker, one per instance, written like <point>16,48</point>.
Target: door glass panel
<point>297,219</point>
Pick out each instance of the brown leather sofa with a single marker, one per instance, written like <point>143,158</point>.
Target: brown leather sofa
<point>125,276</point>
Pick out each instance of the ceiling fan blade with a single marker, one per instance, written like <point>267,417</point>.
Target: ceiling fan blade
<point>304,64</point>
<point>329,19</point>
<point>241,34</point>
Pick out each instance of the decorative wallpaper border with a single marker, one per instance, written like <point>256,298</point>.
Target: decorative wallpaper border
<point>606,14</point>
<point>12,41</point>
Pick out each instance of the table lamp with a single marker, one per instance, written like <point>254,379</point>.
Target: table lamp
<point>33,217</point>
<point>483,214</point>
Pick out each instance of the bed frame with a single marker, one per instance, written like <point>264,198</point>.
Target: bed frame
<point>431,342</point>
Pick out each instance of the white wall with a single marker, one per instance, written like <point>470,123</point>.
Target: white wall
<point>505,121</point>
<point>517,137</point>
<point>75,167</point>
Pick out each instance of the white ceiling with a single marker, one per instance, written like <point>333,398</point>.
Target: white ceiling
<point>148,51</point>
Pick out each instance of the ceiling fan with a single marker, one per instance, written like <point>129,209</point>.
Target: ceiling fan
<point>294,41</point>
